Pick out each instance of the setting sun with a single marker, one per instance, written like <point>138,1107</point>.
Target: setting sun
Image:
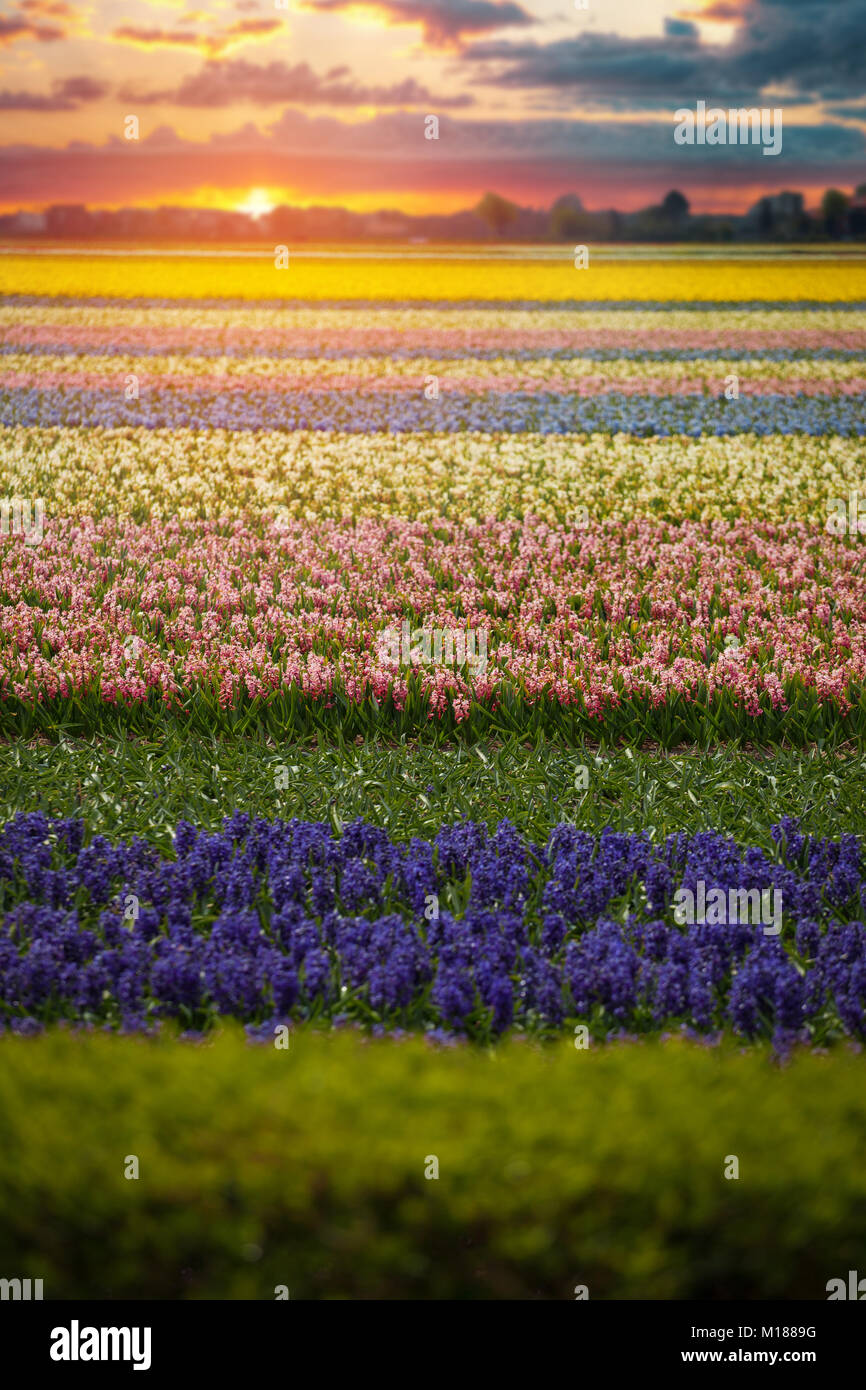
<point>257,203</point>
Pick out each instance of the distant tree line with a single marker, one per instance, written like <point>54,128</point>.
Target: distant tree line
<point>777,217</point>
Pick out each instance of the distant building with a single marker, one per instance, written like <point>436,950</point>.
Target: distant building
<point>779,214</point>
<point>68,220</point>
<point>23,224</point>
<point>857,215</point>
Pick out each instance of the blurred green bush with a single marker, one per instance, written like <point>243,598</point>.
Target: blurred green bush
<point>305,1167</point>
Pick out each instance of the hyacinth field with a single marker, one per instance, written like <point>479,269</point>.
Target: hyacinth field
<point>242,496</point>
<point>386,645</point>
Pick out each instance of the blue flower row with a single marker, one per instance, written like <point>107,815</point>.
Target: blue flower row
<point>48,301</point>
<point>508,412</point>
<point>473,932</point>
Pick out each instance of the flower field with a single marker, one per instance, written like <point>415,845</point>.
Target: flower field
<point>619,497</point>
<point>240,500</point>
<point>389,646</point>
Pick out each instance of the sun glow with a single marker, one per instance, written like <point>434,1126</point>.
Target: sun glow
<point>257,203</point>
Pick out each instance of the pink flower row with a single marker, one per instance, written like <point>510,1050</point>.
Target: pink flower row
<point>589,616</point>
<point>424,336</point>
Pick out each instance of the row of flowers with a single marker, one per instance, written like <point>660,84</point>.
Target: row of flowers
<point>160,474</point>
<point>266,277</point>
<point>23,370</point>
<point>322,332</point>
<point>473,932</point>
<point>592,616</point>
<point>212,406</point>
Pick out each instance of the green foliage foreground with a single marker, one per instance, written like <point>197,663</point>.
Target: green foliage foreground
<point>305,1167</point>
<point>126,786</point>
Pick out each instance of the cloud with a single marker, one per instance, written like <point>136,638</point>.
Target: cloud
<point>17,26</point>
<point>848,113</point>
<point>445,23</point>
<point>242,31</point>
<point>815,46</point>
<point>157,38</point>
<point>598,64</point>
<point>66,95</point>
<point>233,81</point>
<point>252,28</point>
<point>320,157</point>
<point>56,9</point>
<point>82,88</point>
<point>723,10</point>
<point>811,48</point>
<point>680,29</point>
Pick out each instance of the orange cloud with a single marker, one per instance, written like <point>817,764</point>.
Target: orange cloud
<point>55,9</point>
<point>67,94</point>
<point>445,23</point>
<point>725,10</point>
<point>18,26</point>
<point>242,31</point>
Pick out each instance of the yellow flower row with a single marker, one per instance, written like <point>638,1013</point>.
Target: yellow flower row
<point>259,277</point>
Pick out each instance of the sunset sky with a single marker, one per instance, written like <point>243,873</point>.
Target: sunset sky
<point>248,103</point>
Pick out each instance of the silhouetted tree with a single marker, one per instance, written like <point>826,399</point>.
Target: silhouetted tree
<point>568,224</point>
<point>497,212</point>
<point>675,207</point>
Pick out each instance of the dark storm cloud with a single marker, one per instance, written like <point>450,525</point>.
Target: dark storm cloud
<point>597,64</point>
<point>814,47</point>
<point>848,113</point>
